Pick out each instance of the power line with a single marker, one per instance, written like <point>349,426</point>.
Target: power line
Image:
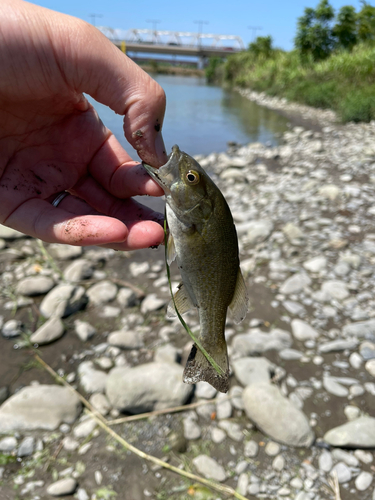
<point>255,29</point>
<point>200,24</point>
<point>94,16</point>
<point>154,23</point>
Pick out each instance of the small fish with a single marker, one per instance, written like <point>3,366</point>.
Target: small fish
<point>203,239</point>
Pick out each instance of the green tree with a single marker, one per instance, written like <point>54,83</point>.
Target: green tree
<point>345,29</point>
<point>262,46</point>
<point>366,23</point>
<point>314,32</point>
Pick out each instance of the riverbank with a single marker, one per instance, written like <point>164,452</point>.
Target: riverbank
<point>161,69</point>
<point>302,361</point>
<point>344,82</point>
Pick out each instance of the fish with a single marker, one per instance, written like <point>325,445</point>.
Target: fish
<point>202,238</point>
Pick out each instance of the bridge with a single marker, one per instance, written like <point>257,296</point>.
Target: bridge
<point>177,43</point>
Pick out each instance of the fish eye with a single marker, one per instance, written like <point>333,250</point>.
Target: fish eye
<point>192,177</point>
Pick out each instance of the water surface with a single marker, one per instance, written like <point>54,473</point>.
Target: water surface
<point>202,118</point>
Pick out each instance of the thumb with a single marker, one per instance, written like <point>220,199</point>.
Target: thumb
<point>101,70</point>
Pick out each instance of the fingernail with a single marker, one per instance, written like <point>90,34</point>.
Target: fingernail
<point>160,149</point>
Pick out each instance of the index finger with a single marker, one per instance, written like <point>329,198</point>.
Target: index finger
<point>118,174</point>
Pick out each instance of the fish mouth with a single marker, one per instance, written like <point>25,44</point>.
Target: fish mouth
<point>164,176</point>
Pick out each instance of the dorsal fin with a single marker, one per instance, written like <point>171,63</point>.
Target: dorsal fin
<point>240,302</point>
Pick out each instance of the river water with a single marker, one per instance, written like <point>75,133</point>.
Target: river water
<point>202,118</point>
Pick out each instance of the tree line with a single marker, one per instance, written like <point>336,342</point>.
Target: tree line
<point>321,31</point>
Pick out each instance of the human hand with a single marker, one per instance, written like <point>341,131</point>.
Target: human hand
<point>52,140</point>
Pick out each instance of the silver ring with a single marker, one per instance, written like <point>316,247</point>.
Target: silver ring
<point>59,198</point>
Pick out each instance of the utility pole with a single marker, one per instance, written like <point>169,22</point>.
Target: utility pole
<point>154,23</point>
<point>200,24</point>
<point>94,16</point>
<point>255,29</point>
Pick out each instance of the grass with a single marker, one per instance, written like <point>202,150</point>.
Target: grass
<point>345,82</point>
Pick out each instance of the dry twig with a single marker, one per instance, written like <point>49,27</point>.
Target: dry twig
<point>102,422</point>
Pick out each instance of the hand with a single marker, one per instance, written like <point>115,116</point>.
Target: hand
<point>52,140</point>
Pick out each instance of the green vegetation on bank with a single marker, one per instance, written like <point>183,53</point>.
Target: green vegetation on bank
<point>332,65</point>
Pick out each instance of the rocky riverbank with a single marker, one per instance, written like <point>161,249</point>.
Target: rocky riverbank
<point>302,397</point>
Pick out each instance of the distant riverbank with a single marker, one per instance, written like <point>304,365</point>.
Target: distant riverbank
<point>167,69</point>
<point>344,82</point>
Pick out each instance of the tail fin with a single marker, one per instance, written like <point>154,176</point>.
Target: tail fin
<point>199,368</point>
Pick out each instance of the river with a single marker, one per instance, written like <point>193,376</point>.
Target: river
<point>202,118</point>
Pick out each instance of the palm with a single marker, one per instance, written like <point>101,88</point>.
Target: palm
<point>53,141</point>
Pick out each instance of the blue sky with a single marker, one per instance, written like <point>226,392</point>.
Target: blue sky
<point>277,18</point>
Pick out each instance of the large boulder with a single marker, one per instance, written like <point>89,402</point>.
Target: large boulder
<point>39,407</point>
<point>276,416</point>
<point>359,433</point>
<point>147,387</point>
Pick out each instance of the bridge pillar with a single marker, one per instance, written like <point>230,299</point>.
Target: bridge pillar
<point>202,62</point>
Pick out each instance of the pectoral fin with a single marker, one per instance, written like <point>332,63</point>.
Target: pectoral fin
<point>240,302</point>
<point>171,250</point>
<point>182,301</point>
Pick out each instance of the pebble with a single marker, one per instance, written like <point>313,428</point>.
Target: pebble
<point>325,461</point>
<point>205,390</point>
<point>343,472</point>
<point>11,329</point>
<point>272,449</point>
<point>333,387</point>
<point>102,292</point>
<point>78,270</point>
<point>217,435</point>
<point>90,379</point>
<point>26,447</point>
<point>233,430</point>
<point>85,428</point>
<point>127,298</point>
<point>209,468</point>
<point>192,430</point>
<point>63,300</point>
<point>363,480</point>
<point>223,407</point>
<point>316,264</point>
<point>8,444</point>
<point>256,342</point>
<point>352,412</point>
<point>370,367</point>
<point>278,463</point>
<point>50,331</point>
<point>295,283</point>
<point>344,456</point>
<point>100,403</point>
<point>35,285</point>
<point>250,370</point>
<point>126,339</point>
<point>367,350</point>
<point>62,487</point>
<point>364,456</point>
<point>84,330</point>
<point>303,331</point>
<point>152,303</point>
<point>251,449</point>
<point>65,252</point>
